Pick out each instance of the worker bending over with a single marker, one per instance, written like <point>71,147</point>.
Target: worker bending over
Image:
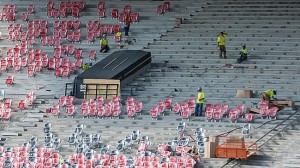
<point>268,95</point>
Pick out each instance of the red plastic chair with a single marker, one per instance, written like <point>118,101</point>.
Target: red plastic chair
<point>78,63</point>
<point>71,49</point>
<point>240,109</point>
<point>121,17</point>
<point>75,12</point>
<point>176,108</point>
<point>115,13</point>
<point>166,6</point>
<point>101,5</point>
<point>185,113</point>
<point>77,36</point>
<point>217,116</point>
<point>10,80</point>
<point>90,37</point>
<point>78,54</point>
<point>138,107</point>
<point>233,115</point>
<point>55,110</point>
<point>30,9</point>
<point>21,105</point>
<point>264,113</point>
<point>209,115</point>
<point>96,25</point>
<point>101,13</point>
<point>24,16</point>
<point>249,117</point>
<point>168,103</point>
<point>135,17</point>
<point>154,112</point>
<point>273,112</point>
<point>76,24</point>
<point>127,8</point>
<point>160,9</point>
<point>224,109</point>
<point>92,55</point>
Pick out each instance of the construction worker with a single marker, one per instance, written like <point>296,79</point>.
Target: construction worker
<point>243,54</point>
<point>85,66</point>
<point>128,20</point>
<point>104,44</point>
<point>222,44</point>
<point>268,95</point>
<point>199,102</point>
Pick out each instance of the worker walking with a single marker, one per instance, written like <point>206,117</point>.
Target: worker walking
<point>199,102</point>
<point>222,44</point>
<point>128,20</point>
<point>268,95</point>
<point>243,54</point>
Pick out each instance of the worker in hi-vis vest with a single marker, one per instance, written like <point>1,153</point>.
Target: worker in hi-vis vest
<point>268,95</point>
<point>199,102</point>
<point>243,54</point>
<point>104,44</point>
<point>222,44</point>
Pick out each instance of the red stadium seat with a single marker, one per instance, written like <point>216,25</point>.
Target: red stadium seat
<point>115,13</point>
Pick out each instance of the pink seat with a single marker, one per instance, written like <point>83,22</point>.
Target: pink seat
<point>176,108</point>
<point>217,115</point>
<point>24,16</point>
<point>209,115</point>
<point>233,115</point>
<point>127,8</point>
<point>135,17</point>
<point>131,111</point>
<point>249,117</point>
<point>101,13</point>
<point>10,80</point>
<point>224,109</point>
<point>166,6</point>
<point>76,24</point>
<point>71,49</point>
<point>117,39</point>
<point>55,110</point>
<point>161,107</point>
<point>138,107</point>
<point>21,105</point>
<point>121,17</point>
<point>101,5</point>
<point>168,103</point>
<point>273,112</point>
<point>154,112</point>
<point>92,55</point>
<point>115,13</point>
<point>185,113</point>
<point>160,9</point>
<point>264,113</point>
<point>240,109</point>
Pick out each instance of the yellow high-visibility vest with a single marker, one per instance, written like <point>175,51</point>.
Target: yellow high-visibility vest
<point>200,96</point>
<point>222,40</point>
<point>269,92</point>
<point>103,42</point>
<point>244,51</point>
